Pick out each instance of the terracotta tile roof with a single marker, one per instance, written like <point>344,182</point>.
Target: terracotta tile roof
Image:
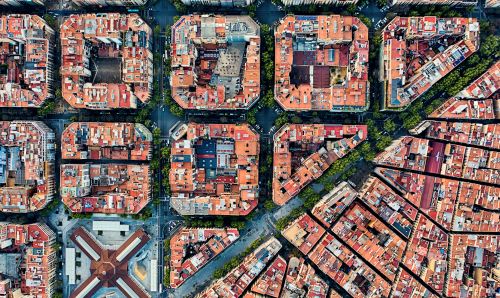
<point>27,161</point>
<point>473,260</point>
<point>303,233</point>
<point>111,35</point>
<point>372,239</point>
<point>105,188</point>
<point>351,273</point>
<point>316,147</point>
<point>410,65</point>
<point>321,63</point>
<point>37,269</point>
<point>214,169</point>
<point>270,281</point>
<point>191,249</point>
<point>427,253</point>
<point>215,62</point>
<point>485,135</point>
<point>237,280</point>
<point>100,140</point>
<point>26,53</point>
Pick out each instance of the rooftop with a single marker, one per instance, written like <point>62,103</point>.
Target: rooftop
<point>303,233</point>
<point>26,44</point>
<point>302,152</point>
<point>125,38</point>
<point>270,281</point>
<point>372,239</point>
<point>348,271</point>
<point>426,254</point>
<point>104,140</point>
<point>389,205</point>
<point>27,161</point>
<point>451,160</point>
<point>473,261</point>
<point>34,275</point>
<point>215,62</point>
<point>105,188</point>
<point>109,266</point>
<point>238,279</point>
<point>419,51</point>
<point>214,169</point>
<point>331,206</point>
<point>321,63</point>
<point>484,135</point>
<point>191,249</point>
<point>301,279</point>
<point>477,101</point>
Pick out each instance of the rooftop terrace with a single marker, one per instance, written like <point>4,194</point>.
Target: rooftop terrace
<point>26,46</point>
<point>321,63</point>
<point>27,161</point>
<point>105,188</point>
<point>419,51</point>
<point>215,62</point>
<point>302,152</point>
<point>87,37</point>
<point>214,169</point>
<point>108,141</point>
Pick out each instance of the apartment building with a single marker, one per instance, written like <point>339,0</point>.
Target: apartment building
<point>215,62</point>
<point>320,2</point>
<point>26,59</point>
<point>239,279</point>
<point>105,188</point>
<point>221,3</point>
<point>476,101</point>
<point>302,152</point>
<point>29,260</point>
<point>417,52</point>
<point>110,2</point>
<point>119,46</point>
<point>214,169</point>
<point>191,249</point>
<point>321,63</point>
<point>105,140</point>
<point>27,161</point>
<point>303,233</point>
<point>434,2</point>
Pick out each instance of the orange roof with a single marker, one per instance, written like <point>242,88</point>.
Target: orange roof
<point>105,188</point>
<point>405,40</point>
<point>105,140</point>
<point>321,63</point>
<point>35,243</point>
<point>116,35</point>
<point>214,169</point>
<point>331,141</point>
<point>27,161</point>
<point>26,82</point>
<point>215,62</point>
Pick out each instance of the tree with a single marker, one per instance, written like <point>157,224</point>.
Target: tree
<point>157,31</point>
<point>281,120</point>
<point>268,99</point>
<point>296,119</point>
<point>389,126</point>
<point>50,20</point>
<point>48,107</point>
<point>490,46</point>
<point>269,205</point>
